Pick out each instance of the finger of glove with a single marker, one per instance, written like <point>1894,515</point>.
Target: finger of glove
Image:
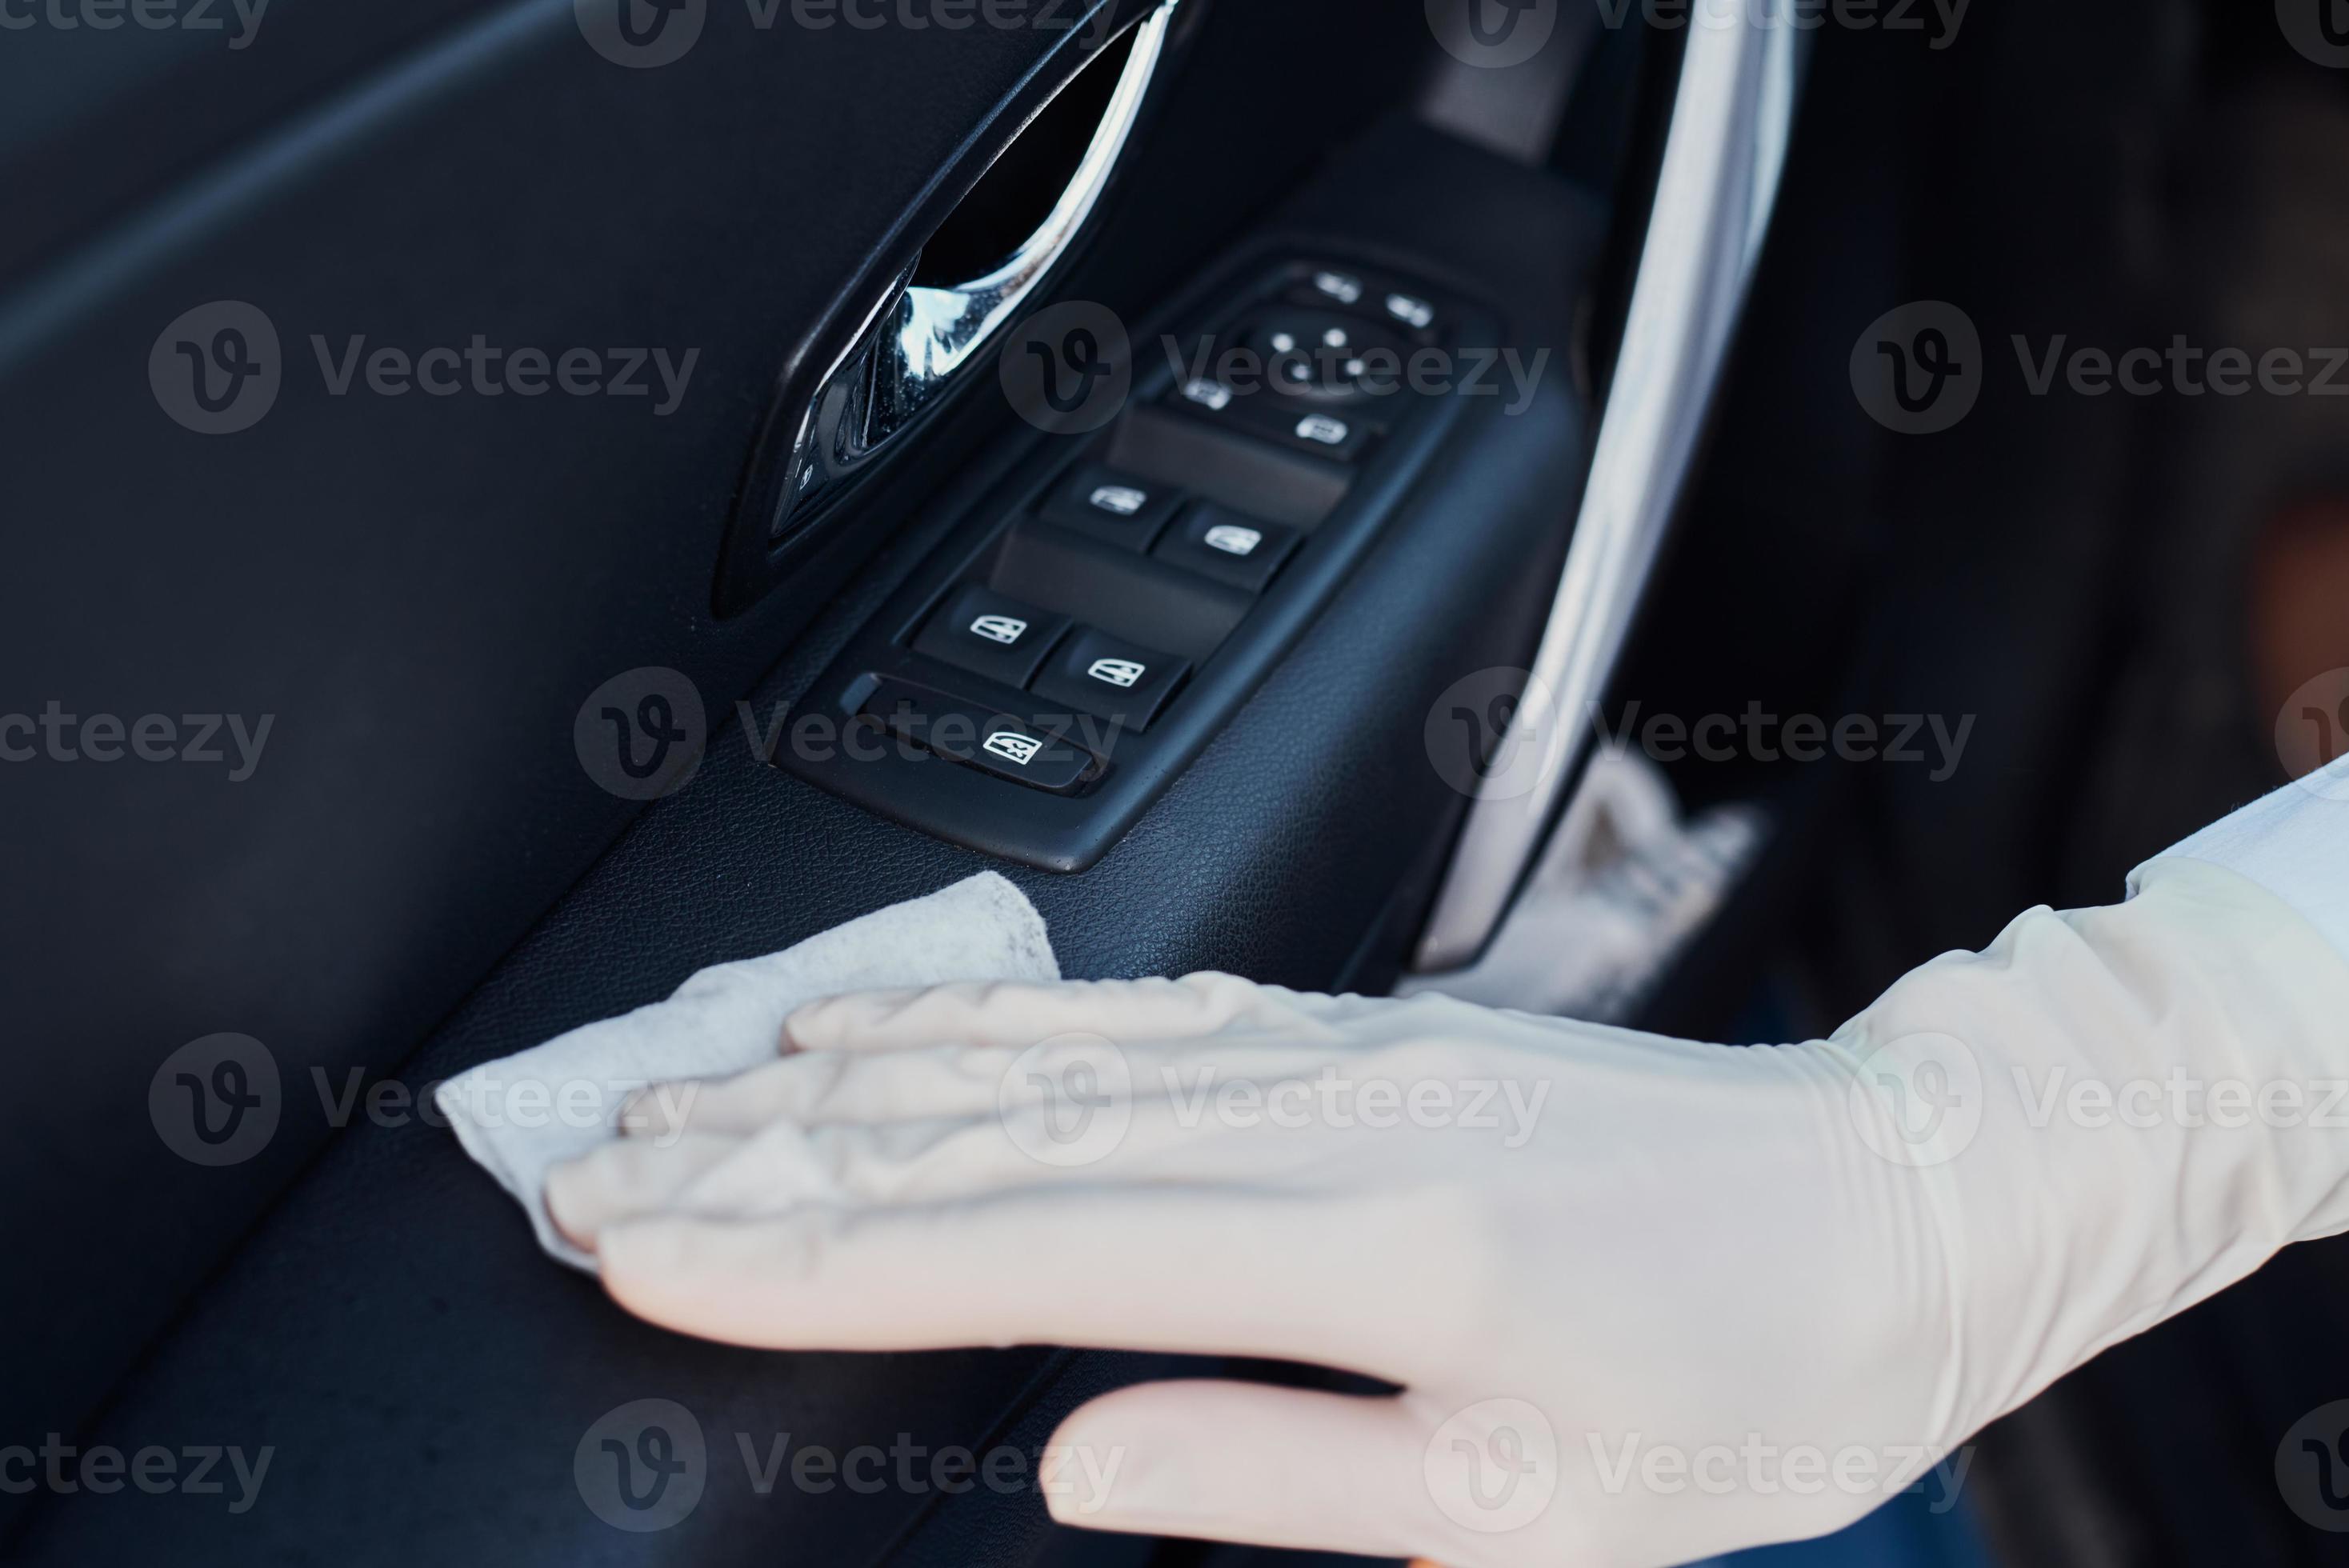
<point>624,1178</point>
<point>924,1082</point>
<point>1020,1015</point>
<point>813,1087</point>
<point>1161,1266</point>
<point>1244,1462</point>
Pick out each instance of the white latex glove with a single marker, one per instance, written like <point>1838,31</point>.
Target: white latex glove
<point>1805,1273</point>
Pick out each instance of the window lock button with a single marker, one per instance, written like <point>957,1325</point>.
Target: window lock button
<point>990,635</point>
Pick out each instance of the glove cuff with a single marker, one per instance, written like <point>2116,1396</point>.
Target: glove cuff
<point>2122,1110</point>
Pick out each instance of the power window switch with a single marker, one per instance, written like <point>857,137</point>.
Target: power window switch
<point>979,737</point>
<point>1118,508</point>
<point>1227,546</point>
<point>1331,434</point>
<point>1094,672</point>
<point>990,635</point>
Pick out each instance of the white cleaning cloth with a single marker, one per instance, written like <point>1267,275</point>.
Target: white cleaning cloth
<point>519,1116</point>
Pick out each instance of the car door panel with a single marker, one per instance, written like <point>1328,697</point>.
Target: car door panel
<point>418,591</point>
<point>409,1319</point>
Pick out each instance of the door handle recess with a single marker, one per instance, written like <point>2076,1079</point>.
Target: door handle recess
<point>919,336</point>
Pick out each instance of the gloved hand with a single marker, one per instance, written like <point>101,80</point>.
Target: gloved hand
<point>1647,1299</point>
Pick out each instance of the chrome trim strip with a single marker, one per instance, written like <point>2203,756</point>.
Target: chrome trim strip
<point>1732,113</point>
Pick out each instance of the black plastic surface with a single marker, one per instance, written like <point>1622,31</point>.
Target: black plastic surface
<point>1151,602</point>
<point>1286,487</point>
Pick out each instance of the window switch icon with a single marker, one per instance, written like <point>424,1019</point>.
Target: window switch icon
<point>1012,746</point>
<point>1123,500</point>
<point>1005,630</point>
<point>1232,539</point>
<point>1325,429</point>
<point>1121,674</point>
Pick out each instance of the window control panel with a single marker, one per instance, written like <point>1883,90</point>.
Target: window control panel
<point>1095,620</point>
